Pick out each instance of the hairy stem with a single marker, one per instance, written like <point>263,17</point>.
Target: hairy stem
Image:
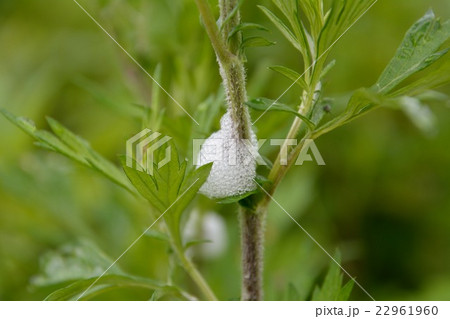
<point>212,30</point>
<point>230,17</point>
<point>253,219</point>
<point>233,75</point>
<point>252,240</point>
<point>232,72</point>
<point>231,65</point>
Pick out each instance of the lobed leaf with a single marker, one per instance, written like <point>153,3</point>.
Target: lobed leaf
<point>82,289</point>
<point>81,265</point>
<point>332,289</point>
<point>63,141</point>
<point>418,50</point>
<point>170,190</point>
<point>435,75</point>
<point>71,262</point>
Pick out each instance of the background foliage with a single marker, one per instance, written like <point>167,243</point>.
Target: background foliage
<point>382,198</point>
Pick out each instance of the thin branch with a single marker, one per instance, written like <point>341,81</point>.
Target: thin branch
<point>213,32</point>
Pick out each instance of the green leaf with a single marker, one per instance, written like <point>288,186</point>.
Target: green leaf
<point>256,42</point>
<point>362,101</point>
<point>73,262</point>
<point>291,74</point>
<point>71,146</point>
<point>434,76</point>
<point>283,28</point>
<point>44,137</point>
<point>82,264</point>
<point>332,289</point>
<point>106,283</point>
<point>345,292</point>
<point>170,190</point>
<point>23,123</point>
<point>105,98</point>
<point>154,114</point>
<point>82,148</point>
<point>196,242</point>
<point>191,185</point>
<point>341,15</point>
<point>246,26</point>
<point>262,180</point>
<point>313,11</point>
<point>289,8</point>
<point>236,198</point>
<point>263,104</point>
<point>145,185</point>
<point>327,68</point>
<point>157,235</point>
<point>418,50</point>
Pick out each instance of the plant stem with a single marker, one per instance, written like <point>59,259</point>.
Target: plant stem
<point>212,30</point>
<point>277,172</point>
<point>252,240</point>
<point>195,275</point>
<point>233,75</point>
<point>230,17</point>
<point>231,66</point>
<point>253,219</point>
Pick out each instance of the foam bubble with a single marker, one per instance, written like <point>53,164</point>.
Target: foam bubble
<point>234,163</point>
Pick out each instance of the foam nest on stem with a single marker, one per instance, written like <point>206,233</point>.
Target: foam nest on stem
<point>234,164</point>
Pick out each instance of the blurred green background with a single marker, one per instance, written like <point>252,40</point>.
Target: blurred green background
<point>382,199</point>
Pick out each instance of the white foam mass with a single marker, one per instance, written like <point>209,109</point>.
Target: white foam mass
<point>234,164</point>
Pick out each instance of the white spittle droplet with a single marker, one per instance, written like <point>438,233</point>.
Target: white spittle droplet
<point>234,164</point>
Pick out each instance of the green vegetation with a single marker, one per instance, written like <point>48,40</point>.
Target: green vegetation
<point>380,200</point>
